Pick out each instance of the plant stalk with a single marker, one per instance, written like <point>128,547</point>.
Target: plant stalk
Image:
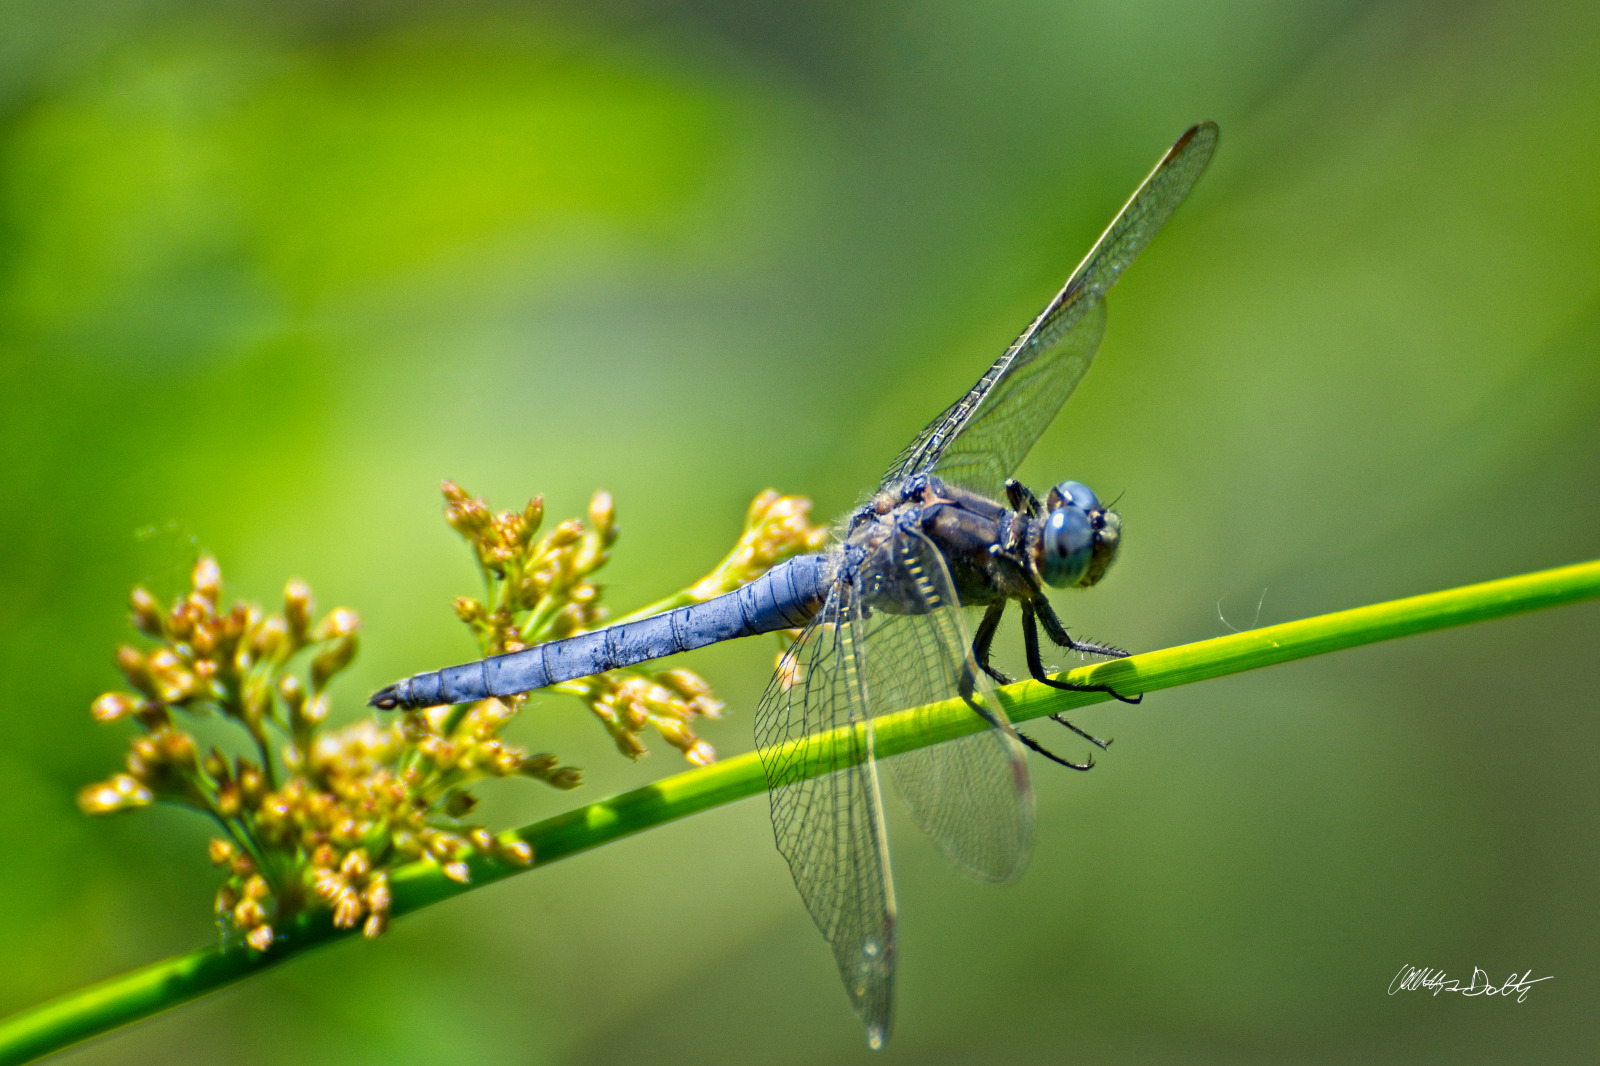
<point>88,1012</point>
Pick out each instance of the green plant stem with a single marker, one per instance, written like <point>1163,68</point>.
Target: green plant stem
<point>87,1012</point>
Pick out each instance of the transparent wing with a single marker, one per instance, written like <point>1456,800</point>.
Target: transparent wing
<point>971,795</point>
<point>981,438</point>
<point>830,827</point>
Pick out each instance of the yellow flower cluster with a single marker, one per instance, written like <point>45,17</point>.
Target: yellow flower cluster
<point>315,819</point>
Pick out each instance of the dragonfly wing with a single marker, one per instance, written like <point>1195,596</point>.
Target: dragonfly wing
<point>829,825</point>
<point>971,795</point>
<point>982,437</point>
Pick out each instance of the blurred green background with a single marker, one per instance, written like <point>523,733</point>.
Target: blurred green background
<point>269,271</point>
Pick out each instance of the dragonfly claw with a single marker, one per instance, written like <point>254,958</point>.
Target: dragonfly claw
<point>1053,757</point>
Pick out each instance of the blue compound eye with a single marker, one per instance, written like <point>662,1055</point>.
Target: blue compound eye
<point>1075,493</point>
<point>1067,545</point>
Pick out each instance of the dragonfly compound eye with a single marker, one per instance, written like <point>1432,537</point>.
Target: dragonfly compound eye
<point>1066,547</point>
<point>1107,536</point>
<point>1072,494</point>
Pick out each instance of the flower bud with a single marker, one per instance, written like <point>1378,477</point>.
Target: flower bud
<point>146,611</point>
<point>248,913</point>
<point>603,516</point>
<point>314,710</point>
<point>228,802</point>
<point>519,852</point>
<point>532,517</point>
<point>177,747</point>
<point>292,692</point>
<point>332,660</point>
<point>297,607</point>
<point>260,937</point>
<point>113,705</point>
<point>341,621</point>
<point>136,670</point>
<point>468,516</point>
<point>220,851</point>
<point>215,764</point>
<point>347,910</point>
<point>120,792</point>
<point>207,579</point>
<point>377,893</point>
<point>251,781</point>
<point>566,534</point>
<point>268,638</point>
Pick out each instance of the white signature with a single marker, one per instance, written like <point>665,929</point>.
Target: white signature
<point>1421,979</point>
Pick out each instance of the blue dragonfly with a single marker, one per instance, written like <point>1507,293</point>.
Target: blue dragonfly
<point>882,628</point>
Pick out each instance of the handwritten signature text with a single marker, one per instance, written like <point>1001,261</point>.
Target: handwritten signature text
<point>1422,979</point>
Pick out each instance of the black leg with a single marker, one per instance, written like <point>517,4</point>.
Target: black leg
<point>982,640</point>
<point>1021,498</point>
<point>1030,637</point>
<point>966,688</point>
<point>1053,757</point>
<point>1058,634</point>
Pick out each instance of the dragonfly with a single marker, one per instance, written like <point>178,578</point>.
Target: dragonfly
<point>882,626</point>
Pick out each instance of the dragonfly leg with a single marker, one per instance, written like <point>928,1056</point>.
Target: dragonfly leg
<point>966,687</point>
<point>1087,764</point>
<point>1030,637</point>
<point>984,637</point>
<point>1058,634</point>
<point>1053,628</point>
<point>1021,498</point>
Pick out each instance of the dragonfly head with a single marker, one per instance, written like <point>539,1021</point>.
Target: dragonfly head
<point>1077,538</point>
